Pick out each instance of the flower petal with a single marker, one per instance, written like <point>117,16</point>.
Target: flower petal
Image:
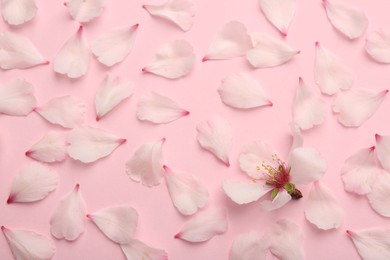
<point>279,13</point>
<point>17,98</point>
<point>297,137</point>
<point>139,250</point>
<point>16,12</point>
<point>379,197</point>
<point>378,46</point>
<point>383,150</point>
<point>372,243</point>
<point>245,192</point>
<point>357,105</point>
<point>117,223</point>
<point>33,183</point>
<point>68,220</point>
<point>172,60</point>
<point>85,11</point>
<point>240,90</point>
<point>204,226</point>
<point>50,148</point>
<point>279,201</point>
<point>249,246</point>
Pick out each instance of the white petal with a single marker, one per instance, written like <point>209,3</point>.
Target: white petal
<point>172,60</point>
<point>249,246</point>
<point>84,11</point>
<point>66,111</point>
<point>117,223</point>
<point>297,137</point>
<point>378,46</point>
<point>204,226</point>
<point>330,72</point>
<point>372,243</point>
<point>269,52</point>
<point>231,42</point>
<point>16,12</point>
<point>33,183</point>
<point>308,109</point>
<point>322,209</point>
<point>240,90</point>
<point>18,52</point>
<point>286,240</point>
<point>114,46</point>
<point>146,165</point>
<point>68,220</point>
<point>383,150</point>
<point>88,144</point>
<point>307,165</point>
<point>17,98</point>
<point>26,245</point>
<point>179,12</point>
<point>215,135</point>
<point>279,12</point>
<point>245,192</point>
<point>379,197</point>
<point>347,19</point>
<point>158,109</point>
<point>279,201</point>
<point>50,148</point>
<point>188,194</point>
<point>111,93</point>
<point>138,250</point>
<point>357,105</point>
<point>73,58</point>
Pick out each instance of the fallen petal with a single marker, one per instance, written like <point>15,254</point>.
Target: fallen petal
<point>383,150</point>
<point>85,11</point>
<point>378,46</point>
<point>279,13</point>
<point>379,197</point>
<point>17,98</point>
<point>372,243</point>
<point>17,12</point>
<point>50,148</point>
<point>139,250</point>
<point>249,246</point>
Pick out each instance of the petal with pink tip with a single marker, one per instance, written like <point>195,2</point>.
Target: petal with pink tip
<point>249,246</point>
<point>383,150</point>
<point>378,46</point>
<point>245,192</point>
<point>139,250</point>
<point>372,243</point>
<point>16,12</point>
<point>17,98</point>
<point>279,13</point>
<point>379,197</point>
<point>50,148</point>
<point>85,11</point>
<point>281,199</point>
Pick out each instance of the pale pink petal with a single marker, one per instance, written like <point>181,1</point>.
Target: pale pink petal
<point>18,52</point>
<point>172,60</point>
<point>73,58</point>
<point>188,194</point>
<point>138,250</point>
<point>356,106</point>
<point>204,226</point>
<point>33,183</point>
<point>179,12</point>
<point>330,73</point>
<point>309,110</point>
<point>383,150</point>
<point>347,19</point>
<point>240,90</point>
<point>268,51</point>
<point>216,136</point>
<point>17,98</point>
<point>117,223</point>
<point>158,109</point>
<point>26,245</point>
<point>231,42</point>
<point>372,243</point>
<point>297,137</point>
<point>249,246</point>
<point>84,11</point>
<point>322,208</point>
<point>279,13</point>
<point>16,12</point>
<point>378,46</point>
<point>245,192</point>
<point>279,201</point>
<point>379,197</point>
<point>113,46</point>
<point>146,165</point>
<point>50,148</point>
<point>68,220</point>
<point>88,144</point>
<point>111,93</point>
<point>66,111</point>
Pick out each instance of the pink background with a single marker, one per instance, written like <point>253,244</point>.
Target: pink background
<point>104,183</point>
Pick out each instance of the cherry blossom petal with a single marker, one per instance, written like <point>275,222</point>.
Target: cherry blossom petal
<point>372,243</point>
<point>179,12</point>
<point>115,45</point>
<point>159,109</point>
<point>33,183</point>
<point>296,136</point>
<point>215,135</point>
<point>249,246</point>
<point>330,72</point>
<point>279,13</point>
<point>88,144</point>
<point>50,148</point>
<point>85,11</point>
<point>111,93</point>
<point>204,226</point>
<point>378,46</point>
<point>383,150</point>
<point>240,90</point>
<point>68,220</point>
<point>28,245</point>
<point>347,19</point>
<point>188,194</point>
<point>16,12</point>
<point>322,208</point>
<point>73,58</point>
<point>231,42</point>
<point>245,192</point>
<point>66,111</point>
<point>268,51</point>
<point>139,250</point>
<point>146,165</point>
<point>172,60</point>
<point>18,52</point>
<point>379,197</point>
<point>356,106</point>
<point>279,201</point>
<point>117,223</point>
<point>309,110</point>
<point>17,98</point>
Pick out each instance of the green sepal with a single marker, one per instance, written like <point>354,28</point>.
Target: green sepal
<point>289,187</point>
<point>274,193</point>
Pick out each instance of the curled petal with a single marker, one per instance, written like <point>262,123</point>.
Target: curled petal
<point>16,12</point>
<point>50,148</point>
<point>85,11</point>
<point>383,150</point>
<point>249,246</point>
<point>372,243</point>
<point>379,197</point>
<point>279,13</point>
<point>139,250</point>
<point>17,98</point>
<point>245,192</point>
<point>378,46</point>
<point>281,199</point>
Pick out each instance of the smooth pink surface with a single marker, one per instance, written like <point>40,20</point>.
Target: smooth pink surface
<point>105,183</point>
